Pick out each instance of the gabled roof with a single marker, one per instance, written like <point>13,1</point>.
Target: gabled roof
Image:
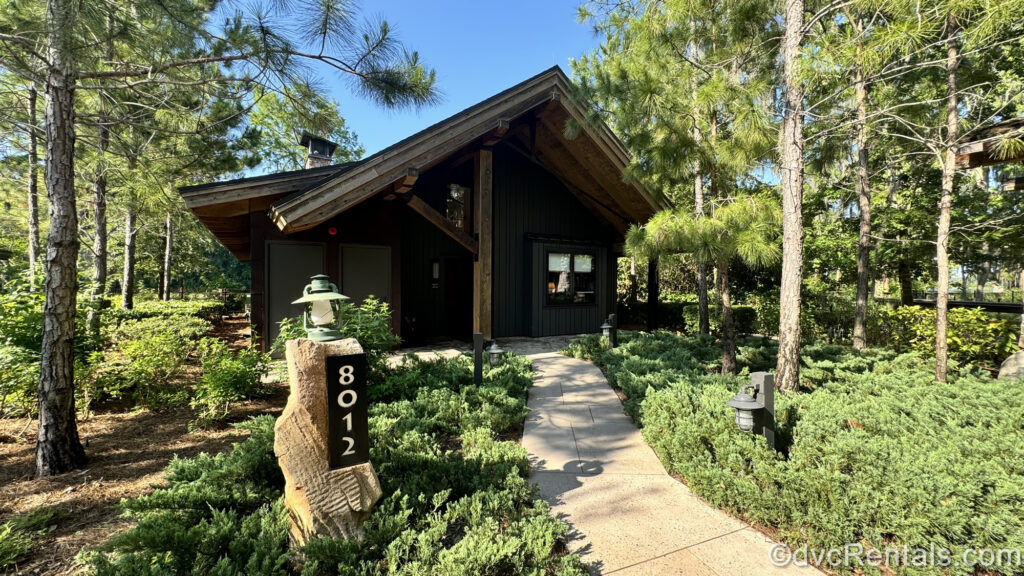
<point>492,118</point>
<point>530,118</point>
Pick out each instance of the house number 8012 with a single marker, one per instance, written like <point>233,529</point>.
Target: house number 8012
<point>347,415</point>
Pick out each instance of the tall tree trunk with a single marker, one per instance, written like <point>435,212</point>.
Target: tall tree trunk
<point>945,204</point>
<point>99,241</point>
<point>128,275</point>
<point>653,294</point>
<point>704,320</point>
<point>905,276</point>
<point>728,326</point>
<point>860,317</point>
<point>792,185</point>
<point>33,188</point>
<point>58,448</point>
<point>165,271</point>
<point>703,317</point>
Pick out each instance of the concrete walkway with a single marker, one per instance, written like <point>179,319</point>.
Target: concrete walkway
<point>630,517</point>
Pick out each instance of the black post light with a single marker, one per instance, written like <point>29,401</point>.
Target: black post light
<point>755,411</point>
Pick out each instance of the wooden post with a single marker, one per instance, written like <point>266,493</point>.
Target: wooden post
<point>764,386</point>
<point>482,191</point>
<point>478,358</point>
<point>320,501</point>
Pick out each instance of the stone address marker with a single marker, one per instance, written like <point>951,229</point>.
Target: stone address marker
<point>310,436</point>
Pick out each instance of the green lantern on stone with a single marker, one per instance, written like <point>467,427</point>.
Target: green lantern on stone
<point>322,317</point>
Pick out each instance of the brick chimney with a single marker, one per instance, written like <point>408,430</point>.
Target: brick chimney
<point>318,150</point>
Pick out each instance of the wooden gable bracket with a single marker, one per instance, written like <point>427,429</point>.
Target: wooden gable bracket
<point>438,219</point>
<point>498,133</point>
<point>404,184</point>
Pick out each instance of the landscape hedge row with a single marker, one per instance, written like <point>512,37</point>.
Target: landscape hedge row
<point>456,499</point>
<point>876,454</point>
<point>975,336</point>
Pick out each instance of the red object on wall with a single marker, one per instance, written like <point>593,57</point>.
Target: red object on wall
<point>332,231</point>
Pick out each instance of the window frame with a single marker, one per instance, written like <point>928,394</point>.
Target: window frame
<point>573,253</point>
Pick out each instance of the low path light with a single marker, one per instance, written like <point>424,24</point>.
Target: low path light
<point>745,406</point>
<point>494,354</point>
<point>322,317</point>
<point>755,411</point>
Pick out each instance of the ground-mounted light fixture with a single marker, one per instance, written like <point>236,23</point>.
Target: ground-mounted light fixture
<point>755,411</point>
<point>610,330</point>
<point>494,354</point>
<point>322,316</point>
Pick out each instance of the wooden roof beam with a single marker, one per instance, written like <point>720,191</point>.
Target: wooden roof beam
<point>437,219</point>
<point>405,183</point>
<point>498,133</point>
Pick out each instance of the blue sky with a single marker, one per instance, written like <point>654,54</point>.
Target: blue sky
<point>478,49</point>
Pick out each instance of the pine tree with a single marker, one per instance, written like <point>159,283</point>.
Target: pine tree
<point>253,48</point>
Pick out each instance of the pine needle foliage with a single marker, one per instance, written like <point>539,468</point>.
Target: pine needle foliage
<point>456,498</point>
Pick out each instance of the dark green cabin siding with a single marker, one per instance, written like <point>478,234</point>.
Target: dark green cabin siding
<point>531,208</point>
<point>422,243</point>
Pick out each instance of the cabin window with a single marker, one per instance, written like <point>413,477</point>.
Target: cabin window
<point>455,206</point>
<point>571,278</point>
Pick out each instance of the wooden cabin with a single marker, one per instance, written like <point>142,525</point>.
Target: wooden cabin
<point>489,221</point>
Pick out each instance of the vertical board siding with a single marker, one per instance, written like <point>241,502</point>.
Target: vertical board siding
<point>528,200</point>
<point>421,243</point>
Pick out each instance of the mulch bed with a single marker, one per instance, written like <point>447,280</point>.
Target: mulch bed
<point>127,451</point>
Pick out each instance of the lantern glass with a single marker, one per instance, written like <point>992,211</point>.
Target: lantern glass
<point>322,314</point>
<point>494,355</point>
<point>744,419</point>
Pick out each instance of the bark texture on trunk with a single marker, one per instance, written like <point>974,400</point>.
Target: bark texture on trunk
<point>33,188</point>
<point>128,274</point>
<point>860,317</point>
<point>792,185</point>
<point>704,320</point>
<point>728,326</point>
<point>945,204</point>
<point>99,241</point>
<point>165,271</point>
<point>58,448</point>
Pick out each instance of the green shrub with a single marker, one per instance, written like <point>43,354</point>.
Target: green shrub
<point>18,534</point>
<point>456,500</point>
<point>19,379</point>
<point>744,318</point>
<point>975,337</point>
<point>586,347</point>
<point>215,515</point>
<point>21,320</point>
<point>148,357</point>
<point>205,309</point>
<point>874,452</point>
<point>369,323</point>
<point>228,377</point>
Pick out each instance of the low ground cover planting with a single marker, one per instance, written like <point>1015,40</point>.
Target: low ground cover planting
<point>456,498</point>
<point>873,453</point>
